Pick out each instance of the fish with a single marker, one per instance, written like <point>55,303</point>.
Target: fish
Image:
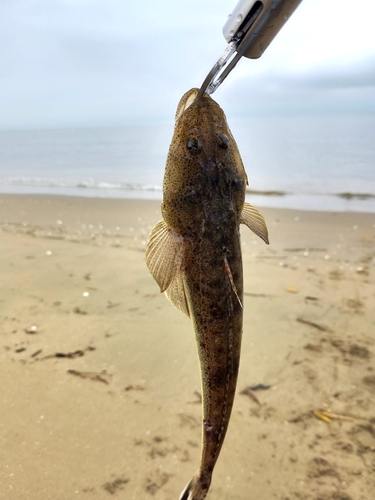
<point>194,255</point>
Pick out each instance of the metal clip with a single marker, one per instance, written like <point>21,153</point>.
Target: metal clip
<point>217,74</point>
<point>249,30</point>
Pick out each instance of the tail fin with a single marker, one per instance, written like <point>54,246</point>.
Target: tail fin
<point>196,489</point>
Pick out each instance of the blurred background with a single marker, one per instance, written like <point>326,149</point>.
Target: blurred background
<point>89,90</point>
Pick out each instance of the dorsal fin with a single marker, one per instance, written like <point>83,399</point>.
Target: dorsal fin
<point>231,280</point>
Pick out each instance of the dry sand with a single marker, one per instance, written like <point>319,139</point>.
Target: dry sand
<point>99,373</point>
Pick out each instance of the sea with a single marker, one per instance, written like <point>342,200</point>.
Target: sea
<point>310,163</point>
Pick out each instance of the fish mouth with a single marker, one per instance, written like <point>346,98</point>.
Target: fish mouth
<point>186,100</point>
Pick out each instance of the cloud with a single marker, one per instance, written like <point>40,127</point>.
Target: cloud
<point>359,74</point>
<point>92,62</point>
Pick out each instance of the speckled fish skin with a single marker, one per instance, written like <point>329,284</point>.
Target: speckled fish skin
<point>201,265</point>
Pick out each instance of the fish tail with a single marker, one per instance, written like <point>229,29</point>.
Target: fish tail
<point>197,488</point>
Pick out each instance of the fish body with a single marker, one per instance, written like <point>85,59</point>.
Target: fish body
<point>194,254</point>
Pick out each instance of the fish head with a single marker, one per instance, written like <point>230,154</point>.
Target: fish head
<point>204,165</point>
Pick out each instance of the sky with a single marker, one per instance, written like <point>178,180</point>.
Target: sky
<point>77,63</point>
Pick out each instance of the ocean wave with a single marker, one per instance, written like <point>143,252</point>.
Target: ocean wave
<point>37,182</point>
<point>295,199</point>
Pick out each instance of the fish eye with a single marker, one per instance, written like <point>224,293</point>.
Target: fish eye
<point>193,145</point>
<point>223,141</point>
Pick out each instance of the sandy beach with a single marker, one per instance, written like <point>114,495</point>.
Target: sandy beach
<point>99,373</point>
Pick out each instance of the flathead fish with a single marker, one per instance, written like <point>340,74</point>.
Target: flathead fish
<point>194,254</point>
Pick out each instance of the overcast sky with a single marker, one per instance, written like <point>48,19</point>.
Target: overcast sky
<point>117,62</point>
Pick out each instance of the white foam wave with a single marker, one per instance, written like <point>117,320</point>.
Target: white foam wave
<point>43,182</point>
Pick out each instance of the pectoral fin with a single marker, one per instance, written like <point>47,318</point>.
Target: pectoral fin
<point>254,221</point>
<point>176,293</point>
<point>164,254</point>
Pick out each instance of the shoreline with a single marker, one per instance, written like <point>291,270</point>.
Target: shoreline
<point>100,373</point>
<point>339,202</point>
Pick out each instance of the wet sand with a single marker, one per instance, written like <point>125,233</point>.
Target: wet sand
<point>100,374</point>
